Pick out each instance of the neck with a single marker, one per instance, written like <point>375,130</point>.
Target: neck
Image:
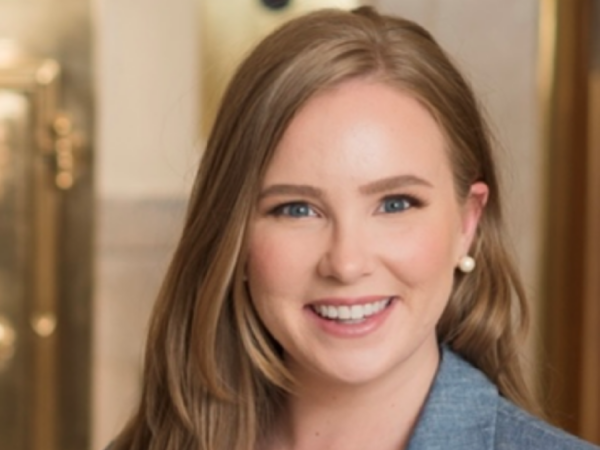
<point>378,414</point>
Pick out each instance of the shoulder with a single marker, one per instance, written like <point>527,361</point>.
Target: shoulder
<point>516,429</point>
<point>464,411</point>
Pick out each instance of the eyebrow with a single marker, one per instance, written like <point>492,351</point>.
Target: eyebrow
<point>391,183</point>
<point>376,187</point>
<point>301,190</point>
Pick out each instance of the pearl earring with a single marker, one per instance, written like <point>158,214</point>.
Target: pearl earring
<point>466,264</point>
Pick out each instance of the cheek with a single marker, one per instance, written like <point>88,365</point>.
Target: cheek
<point>276,264</point>
<point>424,264</point>
<point>261,255</point>
<point>278,271</point>
<point>425,255</point>
<point>262,278</point>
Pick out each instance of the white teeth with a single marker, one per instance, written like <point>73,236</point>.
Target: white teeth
<point>344,312</point>
<point>356,312</point>
<point>351,314</point>
<point>332,312</point>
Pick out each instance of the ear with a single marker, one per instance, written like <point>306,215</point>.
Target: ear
<point>472,210</point>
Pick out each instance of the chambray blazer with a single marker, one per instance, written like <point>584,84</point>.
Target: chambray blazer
<point>464,411</point>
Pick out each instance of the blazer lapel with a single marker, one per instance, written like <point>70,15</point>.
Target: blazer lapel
<point>460,411</point>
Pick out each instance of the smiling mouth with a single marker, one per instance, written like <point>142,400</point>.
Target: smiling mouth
<point>351,314</point>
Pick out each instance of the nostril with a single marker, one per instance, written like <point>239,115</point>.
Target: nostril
<point>347,255</point>
<point>344,266</point>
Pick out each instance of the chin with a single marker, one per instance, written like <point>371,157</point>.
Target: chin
<point>359,368</point>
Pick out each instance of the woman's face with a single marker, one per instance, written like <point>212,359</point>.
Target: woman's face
<point>357,234</point>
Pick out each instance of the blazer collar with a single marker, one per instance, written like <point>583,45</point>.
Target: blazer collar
<point>460,411</point>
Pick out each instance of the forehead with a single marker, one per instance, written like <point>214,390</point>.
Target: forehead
<point>364,128</point>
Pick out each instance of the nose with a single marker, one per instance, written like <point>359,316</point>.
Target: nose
<point>347,257</point>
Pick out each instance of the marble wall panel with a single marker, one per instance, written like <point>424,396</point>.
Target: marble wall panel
<point>135,241</point>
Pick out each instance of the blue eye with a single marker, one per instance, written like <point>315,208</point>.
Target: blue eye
<point>396,204</point>
<point>294,210</point>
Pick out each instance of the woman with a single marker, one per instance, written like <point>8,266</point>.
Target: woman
<point>341,281</point>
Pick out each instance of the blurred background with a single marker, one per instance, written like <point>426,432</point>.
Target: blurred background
<point>104,111</point>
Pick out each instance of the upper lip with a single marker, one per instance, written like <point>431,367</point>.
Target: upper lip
<point>349,301</point>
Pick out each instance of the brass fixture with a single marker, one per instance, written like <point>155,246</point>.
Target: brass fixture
<point>46,224</point>
<point>7,342</point>
<point>67,149</point>
<point>231,28</point>
<point>44,324</point>
<point>40,156</point>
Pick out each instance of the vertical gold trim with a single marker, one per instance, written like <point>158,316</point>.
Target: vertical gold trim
<point>46,289</point>
<point>590,407</point>
<point>547,35</point>
<point>569,310</point>
<point>547,42</point>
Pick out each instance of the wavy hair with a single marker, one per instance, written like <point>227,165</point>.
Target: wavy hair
<point>210,366</point>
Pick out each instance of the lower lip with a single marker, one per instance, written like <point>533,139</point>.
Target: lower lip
<point>353,330</point>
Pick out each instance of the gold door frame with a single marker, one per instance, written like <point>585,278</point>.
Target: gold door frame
<point>46,69</point>
<point>570,315</point>
<point>28,92</point>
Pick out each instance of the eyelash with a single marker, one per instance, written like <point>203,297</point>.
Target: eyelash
<point>409,201</point>
<point>280,210</point>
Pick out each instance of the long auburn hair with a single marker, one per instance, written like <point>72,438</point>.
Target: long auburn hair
<point>213,377</point>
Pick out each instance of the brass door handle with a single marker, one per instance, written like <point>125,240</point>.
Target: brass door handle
<point>8,338</point>
<point>66,151</point>
<point>44,324</point>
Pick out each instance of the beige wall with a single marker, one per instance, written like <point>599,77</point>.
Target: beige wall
<point>147,91</point>
<point>147,94</point>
